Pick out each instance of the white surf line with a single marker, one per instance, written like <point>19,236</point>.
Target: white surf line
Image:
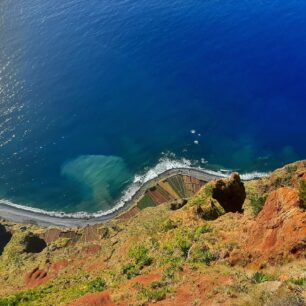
<point>22,214</point>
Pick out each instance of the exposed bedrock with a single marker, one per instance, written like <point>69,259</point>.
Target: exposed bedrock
<point>278,232</point>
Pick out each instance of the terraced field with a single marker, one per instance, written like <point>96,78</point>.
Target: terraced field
<point>171,189</point>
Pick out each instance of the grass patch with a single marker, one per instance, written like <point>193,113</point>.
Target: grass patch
<point>175,264</point>
<point>259,277</point>
<point>202,196</point>
<point>257,203</point>
<point>140,255</point>
<point>145,202</point>
<point>42,293</point>
<point>140,258</point>
<point>202,230</point>
<point>97,285</point>
<point>169,225</point>
<point>202,255</point>
<point>27,296</point>
<point>302,192</point>
<point>157,291</point>
<point>298,281</point>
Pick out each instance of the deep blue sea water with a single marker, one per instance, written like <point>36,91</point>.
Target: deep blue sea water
<point>94,92</point>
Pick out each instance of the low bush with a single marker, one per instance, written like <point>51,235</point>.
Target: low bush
<point>97,285</point>
<point>298,281</point>
<point>174,264</point>
<point>26,297</point>
<point>302,192</point>
<point>139,255</point>
<point>257,203</point>
<point>169,225</point>
<point>202,230</point>
<point>130,270</point>
<point>259,277</point>
<point>157,291</point>
<point>202,255</point>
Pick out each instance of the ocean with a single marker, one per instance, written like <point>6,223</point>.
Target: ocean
<point>98,95</point>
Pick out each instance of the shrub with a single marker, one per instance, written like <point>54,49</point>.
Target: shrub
<point>257,203</point>
<point>157,291</point>
<point>184,245</point>
<point>259,277</point>
<point>26,297</point>
<point>302,192</point>
<point>140,255</point>
<point>175,263</point>
<point>202,255</point>
<point>130,270</point>
<point>298,281</point>
<point>202,230</point>
<point>169,225</point>
<point>97,285</point>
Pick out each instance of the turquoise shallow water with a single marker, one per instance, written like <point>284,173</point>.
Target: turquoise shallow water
<point>94,93</point>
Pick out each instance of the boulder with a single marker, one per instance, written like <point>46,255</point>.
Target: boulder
<point>178,204</point>
<point>230,193</point>
<point>210,210</point>
<point>34,244</point>
<point>219,197</point>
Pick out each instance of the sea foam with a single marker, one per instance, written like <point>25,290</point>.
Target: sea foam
<point>164,164</point>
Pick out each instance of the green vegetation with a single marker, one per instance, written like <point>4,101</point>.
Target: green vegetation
<point>291,169</point>
<point>174,265</point>
<point>155,292</point>
<point>202,230</point>
<point>302,192</point>
<point>139,255</point>
<point>145,202</point>
<point>202,255</point>
<point>202,196</point>
<point>177,248</point>
<point>298,281</point>
<point>177,183</point>
<point>26,296</point>
<point>97,285</point>
<point>257,203</point>
<point>169,225</point>
<point>40,293</point>
<point>130,270</point>
<point>259,277</point>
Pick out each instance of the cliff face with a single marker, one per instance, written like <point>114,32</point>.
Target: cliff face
<point>231,243</point>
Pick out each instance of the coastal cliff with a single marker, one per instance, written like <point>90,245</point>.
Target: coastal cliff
<point>185,242</point>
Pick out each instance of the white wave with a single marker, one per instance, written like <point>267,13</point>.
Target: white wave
<point>162,166</point>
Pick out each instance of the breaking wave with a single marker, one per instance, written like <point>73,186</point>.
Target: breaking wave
<point>164,164</point>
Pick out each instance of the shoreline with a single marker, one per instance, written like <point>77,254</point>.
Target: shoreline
<point>22,214</point>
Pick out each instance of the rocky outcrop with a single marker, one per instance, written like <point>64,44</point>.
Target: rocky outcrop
<point>219,197</point>
<point>278,232</point>
<point>178,204</point>
<point>34,244</point>
<point>230,193</point>
<point>5,237</point>
<point>188,255</point>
